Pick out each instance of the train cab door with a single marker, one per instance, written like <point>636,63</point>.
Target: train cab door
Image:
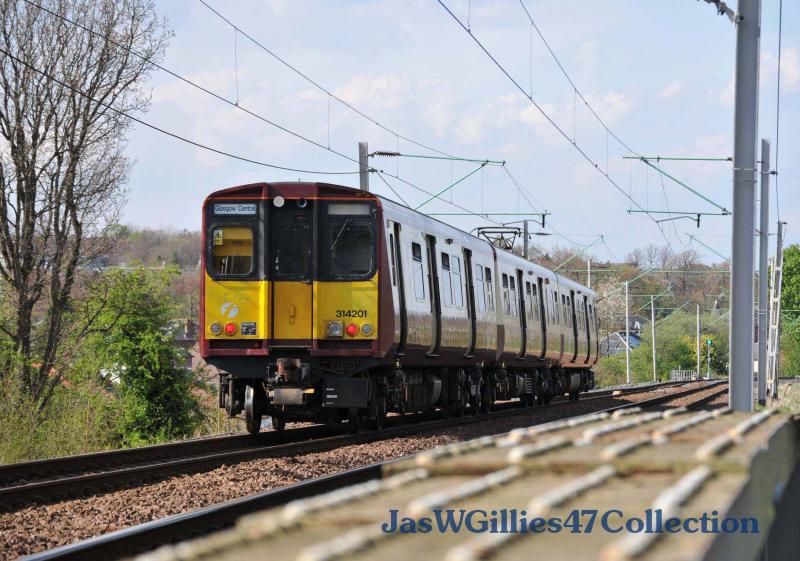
<point>291,270</point>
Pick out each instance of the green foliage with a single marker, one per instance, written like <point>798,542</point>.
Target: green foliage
<point>133,349</point>
<point>674,349</point>
<point>790,291</point>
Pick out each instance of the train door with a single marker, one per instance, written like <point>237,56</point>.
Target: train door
<point>542,314</point>
<point>291,270</point>
<point>572,314</point>
<point>588,329</point>
<point>398,287</point>
<point>523,323</point>
<point>473,318</point>
<point>436,305</point>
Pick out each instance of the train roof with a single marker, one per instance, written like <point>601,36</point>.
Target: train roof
<point>308,189</point>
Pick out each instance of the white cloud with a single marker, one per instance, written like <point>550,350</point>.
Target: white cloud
<point>673,89</point>
<point>790,74</point>
<point>612,105</point>
<point>727,94</point>
<point>790,69</point>
<point>470,129</point>
<point>387,91</point>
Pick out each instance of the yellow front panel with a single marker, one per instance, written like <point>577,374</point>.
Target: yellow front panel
<point>292,310</point>
<point>238,302</point>
<point>350,302</point>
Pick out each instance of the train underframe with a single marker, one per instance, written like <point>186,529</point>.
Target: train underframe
<point>332,393</point>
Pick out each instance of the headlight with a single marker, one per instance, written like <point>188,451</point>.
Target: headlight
<point>334,329</point>
<point>366,329</point>
<point>215,328</point>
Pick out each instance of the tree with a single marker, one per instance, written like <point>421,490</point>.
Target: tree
<point>131,346</point>
<point>790,291</point>
<point>62,168</point>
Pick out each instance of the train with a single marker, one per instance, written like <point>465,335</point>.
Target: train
<point>328,304</point>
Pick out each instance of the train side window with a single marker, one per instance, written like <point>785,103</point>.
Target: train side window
<point>446,281</point>
<point>480,289</point>
<point>535,302</point>
<point>419,275</point>
<point>489,290</point>
<point>529,312</point>
<point>506,300</point>
<point>232,250</point>
<point>514,300</point>
<point>556,315</point>
<point>458,294</point>
<point>394,260</point>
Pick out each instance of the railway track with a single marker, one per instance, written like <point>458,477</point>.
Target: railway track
<point>74,476</point>
<point>150,535</point>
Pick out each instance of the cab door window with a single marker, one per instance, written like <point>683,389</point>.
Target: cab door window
<point>231,251</point>
<point>292,244</point>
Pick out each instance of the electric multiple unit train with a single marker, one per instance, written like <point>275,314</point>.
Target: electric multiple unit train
<point>325,303</point>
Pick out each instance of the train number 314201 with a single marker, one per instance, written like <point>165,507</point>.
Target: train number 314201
<point>354,313</point>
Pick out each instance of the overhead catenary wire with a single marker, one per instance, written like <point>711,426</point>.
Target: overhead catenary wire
<point>332,95</point>
<point>549,119</point>
<point>778,111</point>
<point>234,104</point>
<point>577,92</point>
<point>166,132</point>
<point>316,84</point>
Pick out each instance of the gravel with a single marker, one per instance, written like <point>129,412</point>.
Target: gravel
<point>39,527</point>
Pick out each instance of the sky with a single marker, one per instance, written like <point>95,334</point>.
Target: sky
<point>660,75</point>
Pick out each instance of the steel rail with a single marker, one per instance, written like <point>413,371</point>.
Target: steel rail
<point>144,468</point>
<point>148,536</point>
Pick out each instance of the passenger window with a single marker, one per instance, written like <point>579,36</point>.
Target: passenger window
<point>419,275</point>
<point>447,281</point>
<point>489,290</point>
<point>535,302</point>
<point>232,250</point>
<point>480,289</point>
<point>556,315</point>
<point>458,295</point>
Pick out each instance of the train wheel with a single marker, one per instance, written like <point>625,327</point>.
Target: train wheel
<point>252,410</point>
<point>486,398</point>
<point>475,404</point>
<point>380,413</point>
<point>278,423</point>
<point>355,422</point>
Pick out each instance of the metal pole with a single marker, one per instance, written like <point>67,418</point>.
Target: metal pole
<point>525,239</point>
<point>698,341</point>
<point>748,30</point>
<point>589,272</point>
<point>627,338</point>
<point>363,166</point>
<point>653,332</point>
<point>763,274</point>
<point>708,362</point>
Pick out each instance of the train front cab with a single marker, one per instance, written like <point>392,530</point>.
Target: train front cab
<point>291,309</point>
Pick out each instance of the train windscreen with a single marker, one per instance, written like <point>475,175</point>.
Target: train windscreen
<point>347,242</point>
<point>232,250</point>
